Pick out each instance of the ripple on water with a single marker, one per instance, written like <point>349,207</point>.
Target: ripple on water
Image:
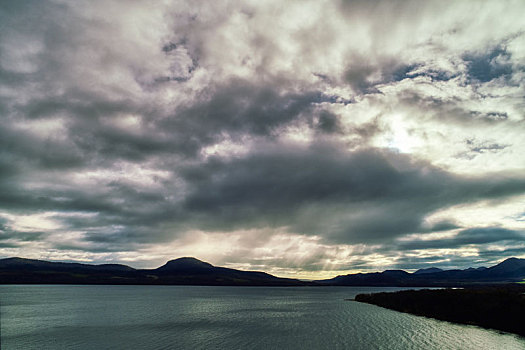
<point>153,317</point>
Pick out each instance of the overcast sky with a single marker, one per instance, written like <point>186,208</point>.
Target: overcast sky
<point>302,138</point>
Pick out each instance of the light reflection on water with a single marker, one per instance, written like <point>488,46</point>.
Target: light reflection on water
<point>189,317</point>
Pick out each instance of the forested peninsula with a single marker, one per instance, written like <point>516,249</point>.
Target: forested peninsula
<point>499,307</point>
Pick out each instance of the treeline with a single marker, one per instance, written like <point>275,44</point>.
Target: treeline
<point>497,307</point>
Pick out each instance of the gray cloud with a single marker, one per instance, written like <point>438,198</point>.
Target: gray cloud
<point>366,195</point>
<point>364,76</point>
<point>328,123</point>
<point>125,126</point>
<point>7,234</point>
<point>481,235</point>
<point>241,108</point>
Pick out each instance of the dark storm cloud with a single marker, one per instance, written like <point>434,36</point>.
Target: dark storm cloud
<point>87,135</point>
<point>476,236</point>
<point>363,196</point>
<point>88,143</point>
<point>358,76</point>
<point>364,76</point>
<point>241,108</point>
<point>496,254</point>
<point>443,225</point>
<point>21,236</point>
<point>8,234</point>
<point>25,148</point>
<point>366,131</point>
<point>67,198</point>
<point>234,109</point>
<point>91,248</point>
<point>347,197</point>
<point>328,123</point>
<point>128,125</point>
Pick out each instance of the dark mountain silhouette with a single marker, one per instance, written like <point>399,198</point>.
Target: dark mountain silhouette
<point>34,265</point>
<point>510,270</point>
<point>183,271</point>
<point>185,264</point>
<point>429,270</point>
<point>191,271</point>
<point>511,267</point>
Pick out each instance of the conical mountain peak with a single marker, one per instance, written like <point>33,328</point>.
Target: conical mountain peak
<point>186,263</point>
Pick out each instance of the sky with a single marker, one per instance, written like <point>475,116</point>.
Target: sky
<point>306,139</point>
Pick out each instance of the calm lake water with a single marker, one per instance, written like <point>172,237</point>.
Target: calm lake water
<point>184,317</point>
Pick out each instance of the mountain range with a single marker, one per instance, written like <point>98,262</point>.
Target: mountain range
<point>509,270</point>
<point>182,271</point>
<point>191,271</point>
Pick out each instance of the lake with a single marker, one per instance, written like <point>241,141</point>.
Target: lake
<point>189,317</point>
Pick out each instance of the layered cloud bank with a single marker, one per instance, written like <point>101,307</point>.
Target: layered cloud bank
<point>301,138</point>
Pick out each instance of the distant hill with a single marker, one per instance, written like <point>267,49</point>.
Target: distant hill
<point>510,270</point>
<point>183,271</point>
<point>14,264</point>
<point>185,264</point>
<point>429,270</point>
<point>191,271</point>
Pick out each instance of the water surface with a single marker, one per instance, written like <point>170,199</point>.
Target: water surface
<point>189,317</point>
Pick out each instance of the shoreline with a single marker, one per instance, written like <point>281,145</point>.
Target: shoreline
<point>499,308</point>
